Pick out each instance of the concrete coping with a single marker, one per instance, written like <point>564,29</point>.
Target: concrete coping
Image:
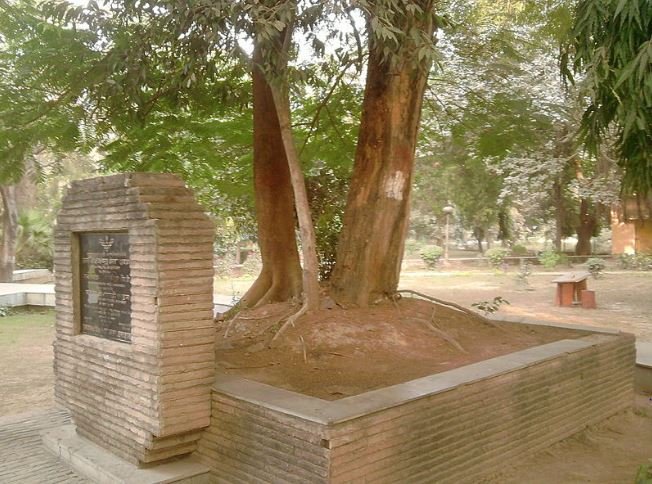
<point>327,412</point>
<point>644,354</point>
<point>101,466</point>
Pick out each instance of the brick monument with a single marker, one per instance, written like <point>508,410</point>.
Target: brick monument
<point>134,350</point>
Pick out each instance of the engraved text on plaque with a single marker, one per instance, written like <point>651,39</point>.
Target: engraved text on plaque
<point>104,284</point>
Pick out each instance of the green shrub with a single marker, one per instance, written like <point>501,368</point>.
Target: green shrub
<point>641,262</point>
<point>519,250</point>
<point>412,247</point>
<point>549,258</point>
<point>431,254</point>
<point>596,266</point>
<point>496,256</point>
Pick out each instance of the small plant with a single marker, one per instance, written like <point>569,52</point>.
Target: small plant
<point>644,474</point>
<point>496,256</point>
<point>549,258</point>
<point>431,255</point>
<point>490,307</point>
<point>524,273</point>
<point>4,311</point>
<point>596,267</point>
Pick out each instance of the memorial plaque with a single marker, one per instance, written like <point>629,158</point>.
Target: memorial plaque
<point>104,284</point>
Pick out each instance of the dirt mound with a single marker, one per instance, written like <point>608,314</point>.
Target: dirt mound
<point>335,353</point>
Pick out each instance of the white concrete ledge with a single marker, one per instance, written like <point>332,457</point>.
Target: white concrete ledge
<point>12,294</point>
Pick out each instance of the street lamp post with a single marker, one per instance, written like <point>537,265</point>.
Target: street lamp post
<point>448,210</point>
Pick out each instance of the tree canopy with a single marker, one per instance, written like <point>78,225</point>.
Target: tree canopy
<point>610,48</point>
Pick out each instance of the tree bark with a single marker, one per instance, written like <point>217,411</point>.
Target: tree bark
<point>371,244</point>
<point>9,233</point>
<point>280,277</point>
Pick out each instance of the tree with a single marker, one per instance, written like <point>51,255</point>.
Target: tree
<point>143,56</point>
<point>376,216</point>
<point>30,119</point>
<point>610,47</point>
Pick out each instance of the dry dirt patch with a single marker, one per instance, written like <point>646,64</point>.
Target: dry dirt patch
<point>336,353</point>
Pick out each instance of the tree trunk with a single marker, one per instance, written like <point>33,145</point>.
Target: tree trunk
<point>587,218</point>
<point>371,244</point>
<point>585,228</point>
<point>306,228</point>
<point>478,233</point>
<point>560,213</point>
<point>9,233</point>
<point>280,277</point>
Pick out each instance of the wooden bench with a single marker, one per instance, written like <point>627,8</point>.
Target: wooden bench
<point>570,287</point>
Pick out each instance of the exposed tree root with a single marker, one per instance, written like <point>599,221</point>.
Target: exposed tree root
<point>290,322</point>
<point>452,305</point>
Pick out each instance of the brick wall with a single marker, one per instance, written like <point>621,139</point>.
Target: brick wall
<point>146,400</point>
<point>453,427</point>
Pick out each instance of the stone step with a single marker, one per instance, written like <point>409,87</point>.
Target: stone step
<point>102,467</point>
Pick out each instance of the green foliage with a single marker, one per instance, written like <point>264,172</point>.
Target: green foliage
<point>496,256</point>
<point>412,247</point>
<point>35,244</point>
<point>519,250</point>
<point>596,266</point>
<point>4,311</point>
<point>431,254</point>
<point>327,189</point>
<point>610,46</point>
<point>644,474</point>
<point>490,307</point>
<point>549,258</point>
<point>641,262</point>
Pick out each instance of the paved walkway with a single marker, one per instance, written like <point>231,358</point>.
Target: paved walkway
<point>23,457</point>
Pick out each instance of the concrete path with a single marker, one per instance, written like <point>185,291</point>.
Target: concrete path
<point>23,457</point>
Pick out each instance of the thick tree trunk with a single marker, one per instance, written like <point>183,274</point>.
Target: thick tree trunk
<point>585,228</point>
<point>280,277</point>
<point>9,233</point>
<point>587,218</point>
<point>371,244</point>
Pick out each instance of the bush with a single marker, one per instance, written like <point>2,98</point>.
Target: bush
<point>596,266</point>
<point>641,262</point>
<point>496,256</point>
<point>519,250</point>
<point>550,258</point>
<point>431,254</point>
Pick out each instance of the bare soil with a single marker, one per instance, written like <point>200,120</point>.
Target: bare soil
<point>336,353</point>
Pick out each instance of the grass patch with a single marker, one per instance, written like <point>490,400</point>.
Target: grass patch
<point>24,323</point>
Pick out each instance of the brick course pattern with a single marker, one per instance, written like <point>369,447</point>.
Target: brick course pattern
<point>149,399</point>
<point>476,419</point>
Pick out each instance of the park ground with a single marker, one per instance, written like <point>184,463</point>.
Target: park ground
<point>609,452</point>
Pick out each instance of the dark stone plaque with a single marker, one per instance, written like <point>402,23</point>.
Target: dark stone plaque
<point>104,283</point>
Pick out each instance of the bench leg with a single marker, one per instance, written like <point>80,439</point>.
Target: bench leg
<point>565,294</point>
